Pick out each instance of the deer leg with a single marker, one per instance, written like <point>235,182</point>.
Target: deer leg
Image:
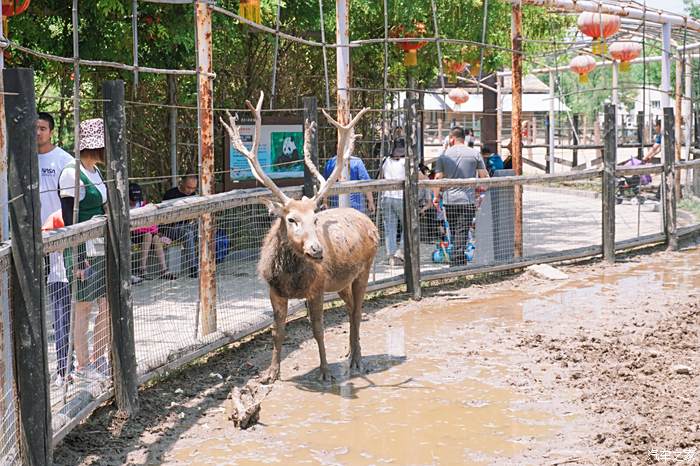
<point>316,312</point>
<point>346,296</point>
<point>279,309</point>
<point>358,296</point>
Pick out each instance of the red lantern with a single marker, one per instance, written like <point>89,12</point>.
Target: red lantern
<point>458,95</point>
<point>410,49</point>
<point>250,10</point>
<point>582,65</point>
<point>624,52</point>
<point>598,26</point>
<point>454,67</point>
<point>14,7</point>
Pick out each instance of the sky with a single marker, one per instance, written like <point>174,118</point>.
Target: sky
<point>675,6</point>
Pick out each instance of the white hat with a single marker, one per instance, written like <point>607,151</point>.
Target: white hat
<point>92,134</point>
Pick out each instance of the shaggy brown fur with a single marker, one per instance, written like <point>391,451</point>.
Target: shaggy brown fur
<point>349,241</point>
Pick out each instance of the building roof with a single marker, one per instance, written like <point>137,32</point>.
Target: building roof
<point>531,84</point>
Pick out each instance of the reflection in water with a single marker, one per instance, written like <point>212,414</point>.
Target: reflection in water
<point>424,400</point>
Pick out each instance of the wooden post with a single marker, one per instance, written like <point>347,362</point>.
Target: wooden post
<point>489,120</point>
<point>172,124</point>
<point>574,161</point>
<point>118,250</point>
<point>516,33</point>
<point>596,138</point>
<point>669,193</point>
<point>207,252</point>
<point>27,282</point>
<point>609,158</point>
<point>411,220</point>
<point>640,135</point>
<point>311,115</point>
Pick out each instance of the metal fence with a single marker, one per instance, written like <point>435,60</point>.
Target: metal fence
<point>562,218</point>
<point>9,435</point>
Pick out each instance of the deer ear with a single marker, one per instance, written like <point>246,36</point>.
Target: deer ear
<point>275,208</point>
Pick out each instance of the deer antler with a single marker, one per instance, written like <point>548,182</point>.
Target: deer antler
<point>252,154</point>
<point>308,135</point>
<point>346,140</point>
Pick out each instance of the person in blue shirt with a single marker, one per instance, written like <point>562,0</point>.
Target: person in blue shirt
<point>492,160</point>
<point>357,172</point>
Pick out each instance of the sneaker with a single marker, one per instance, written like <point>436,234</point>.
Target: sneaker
<point>398,260</point>
<point>58,381</point>
<point>135,279</point>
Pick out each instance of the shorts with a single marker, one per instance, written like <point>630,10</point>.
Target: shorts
<point>95,285</point>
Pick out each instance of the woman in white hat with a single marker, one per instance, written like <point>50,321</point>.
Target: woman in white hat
<point>89,268</point>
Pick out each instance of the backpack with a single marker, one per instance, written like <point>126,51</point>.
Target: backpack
<point>494,163</point>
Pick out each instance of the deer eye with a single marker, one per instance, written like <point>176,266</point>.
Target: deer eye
<point>292,220</point>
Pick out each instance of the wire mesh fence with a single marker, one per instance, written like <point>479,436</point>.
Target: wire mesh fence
<point>9,439</point>
<point>79,337</point>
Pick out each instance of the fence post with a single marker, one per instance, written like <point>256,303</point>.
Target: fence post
<point>609,160</point>
<point>411,224</point>
<point>205,117</point>
<point>574,160</point>
<point>311,115</point>
<point>119,250</point>
<point>640,135</point>
<point>27,283</point>
<point>668,179</point>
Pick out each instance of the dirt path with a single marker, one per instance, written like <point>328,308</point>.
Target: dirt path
<point>601,368</point>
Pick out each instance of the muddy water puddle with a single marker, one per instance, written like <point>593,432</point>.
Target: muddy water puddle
<point>428,396</point>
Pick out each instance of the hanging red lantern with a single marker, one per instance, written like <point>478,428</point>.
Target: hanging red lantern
<point>625,51</point>
<point>410,57</point>
<point>458,95</point>
<point>14,7</point>
<point>582,65</point>
<point>250,10</point>
<point>454,67</point>
<point>598,26</point>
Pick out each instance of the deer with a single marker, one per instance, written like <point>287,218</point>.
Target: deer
<point>308,252</point>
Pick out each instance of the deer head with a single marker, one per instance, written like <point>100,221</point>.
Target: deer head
<point>297,216</point>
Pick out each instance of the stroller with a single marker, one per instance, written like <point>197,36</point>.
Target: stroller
<point>443,249</point>
<point>629,187</point>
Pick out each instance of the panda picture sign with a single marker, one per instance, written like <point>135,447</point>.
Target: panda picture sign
<point>280,151</point>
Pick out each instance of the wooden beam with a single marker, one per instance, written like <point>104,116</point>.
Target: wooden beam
<point>608,204</point>
<point>516,35</point>
<point>118,250</point>
<point>28,286</point>
<point>411,231</point>
<point>669,194</point>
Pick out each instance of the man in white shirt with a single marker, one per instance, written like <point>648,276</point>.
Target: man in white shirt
<point>52,160</point>
<point>393,168</point>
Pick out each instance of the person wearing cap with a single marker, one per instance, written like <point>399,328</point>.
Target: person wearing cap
<point>393,168</point>
<point>89,266</point>
<point>52,161</point>
<point>147,236</point>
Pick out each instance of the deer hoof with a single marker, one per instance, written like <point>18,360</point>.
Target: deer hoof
<point>325,375</point>
<point>269,376</point>
<point>356,364</point>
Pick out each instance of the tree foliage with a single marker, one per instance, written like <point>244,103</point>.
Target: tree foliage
<point>243,58</point>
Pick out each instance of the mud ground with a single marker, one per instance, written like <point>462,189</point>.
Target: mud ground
<point>611,355</point>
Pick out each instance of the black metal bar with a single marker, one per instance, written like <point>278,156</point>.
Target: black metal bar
<point>27,283</point>
<point>640,135</point>
<point>609,158</point>
<point>574,161</point>
<point>118,250</point>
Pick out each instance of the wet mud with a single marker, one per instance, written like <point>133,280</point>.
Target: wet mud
<point>601,368</point>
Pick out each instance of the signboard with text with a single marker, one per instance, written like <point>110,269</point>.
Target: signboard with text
<point>280,152</point>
